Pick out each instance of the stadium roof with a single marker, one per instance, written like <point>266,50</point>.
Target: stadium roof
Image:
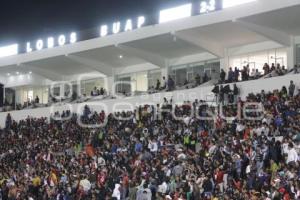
<point>162,44</point>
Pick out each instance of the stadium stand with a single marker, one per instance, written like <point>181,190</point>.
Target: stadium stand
<point>152,155</point>
<point>200,106</point>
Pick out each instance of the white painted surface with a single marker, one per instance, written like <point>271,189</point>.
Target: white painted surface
<point>25,79</point>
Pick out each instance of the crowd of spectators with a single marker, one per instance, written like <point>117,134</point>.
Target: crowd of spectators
<point>170,85</point>
<point>153,155</point>
<point>246,74</point>
<point>167,84</point>
<point>98,92</point>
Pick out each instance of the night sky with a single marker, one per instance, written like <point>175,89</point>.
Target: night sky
<point>22,20</point>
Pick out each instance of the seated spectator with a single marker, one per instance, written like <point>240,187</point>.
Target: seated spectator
<point>273,68</point>
<point>257,74</point>
<point>102,91</point>
<point>186,82</point>
<point>252,74</point>
<point>279,70</point>
<point>198,79</point>
<point>205,78</point>
<point>74,96</point>
<point>284,70</point>
<point>296,69</point>
<point>94,92</point>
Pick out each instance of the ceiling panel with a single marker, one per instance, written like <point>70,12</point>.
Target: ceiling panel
<point>111,56</point>
<point>61,65</point>
<point>228,34</point>
<point>167,46</point>
<point>285,20</point>
<point>12,70</point>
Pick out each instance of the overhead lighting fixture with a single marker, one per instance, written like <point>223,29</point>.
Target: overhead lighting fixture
<point>121,56</point>
<point>178,12</point>
<point>17,73</point>
<point>232,3</point>
<point>8,74</point>
<point>30,72</point>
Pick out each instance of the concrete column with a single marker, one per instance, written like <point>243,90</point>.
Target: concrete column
<point>224,62</point>
<point>109,84</point>
<point>291,54</point>
<point>3,95</point>
<point>164,72</point>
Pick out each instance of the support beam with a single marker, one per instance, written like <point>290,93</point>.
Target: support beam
<point>291,55</point>
<point>272,34</point>
<point>43,72</point>
<point>203,42</point>
<point>101,67</point>
<point>144,55</point>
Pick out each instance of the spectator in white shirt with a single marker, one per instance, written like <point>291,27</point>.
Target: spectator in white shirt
<point>153,146</point>
<point>292,156</point>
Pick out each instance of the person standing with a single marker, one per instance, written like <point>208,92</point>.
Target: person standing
<point>236,74</point>
<point>222,76</point>
<point>292,89</point>
<point>157,84</point>
<point>235,93</point>
<point>198,79</point>
<point>230,75</point>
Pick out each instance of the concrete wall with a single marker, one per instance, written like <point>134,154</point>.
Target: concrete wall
<point>178,96</point>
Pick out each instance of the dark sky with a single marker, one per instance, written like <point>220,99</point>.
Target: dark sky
<point>22,20</point>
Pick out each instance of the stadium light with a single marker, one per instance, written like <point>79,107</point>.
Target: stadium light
<point>232,3</point>
<point>9,50</point>
<point>175,13</point>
